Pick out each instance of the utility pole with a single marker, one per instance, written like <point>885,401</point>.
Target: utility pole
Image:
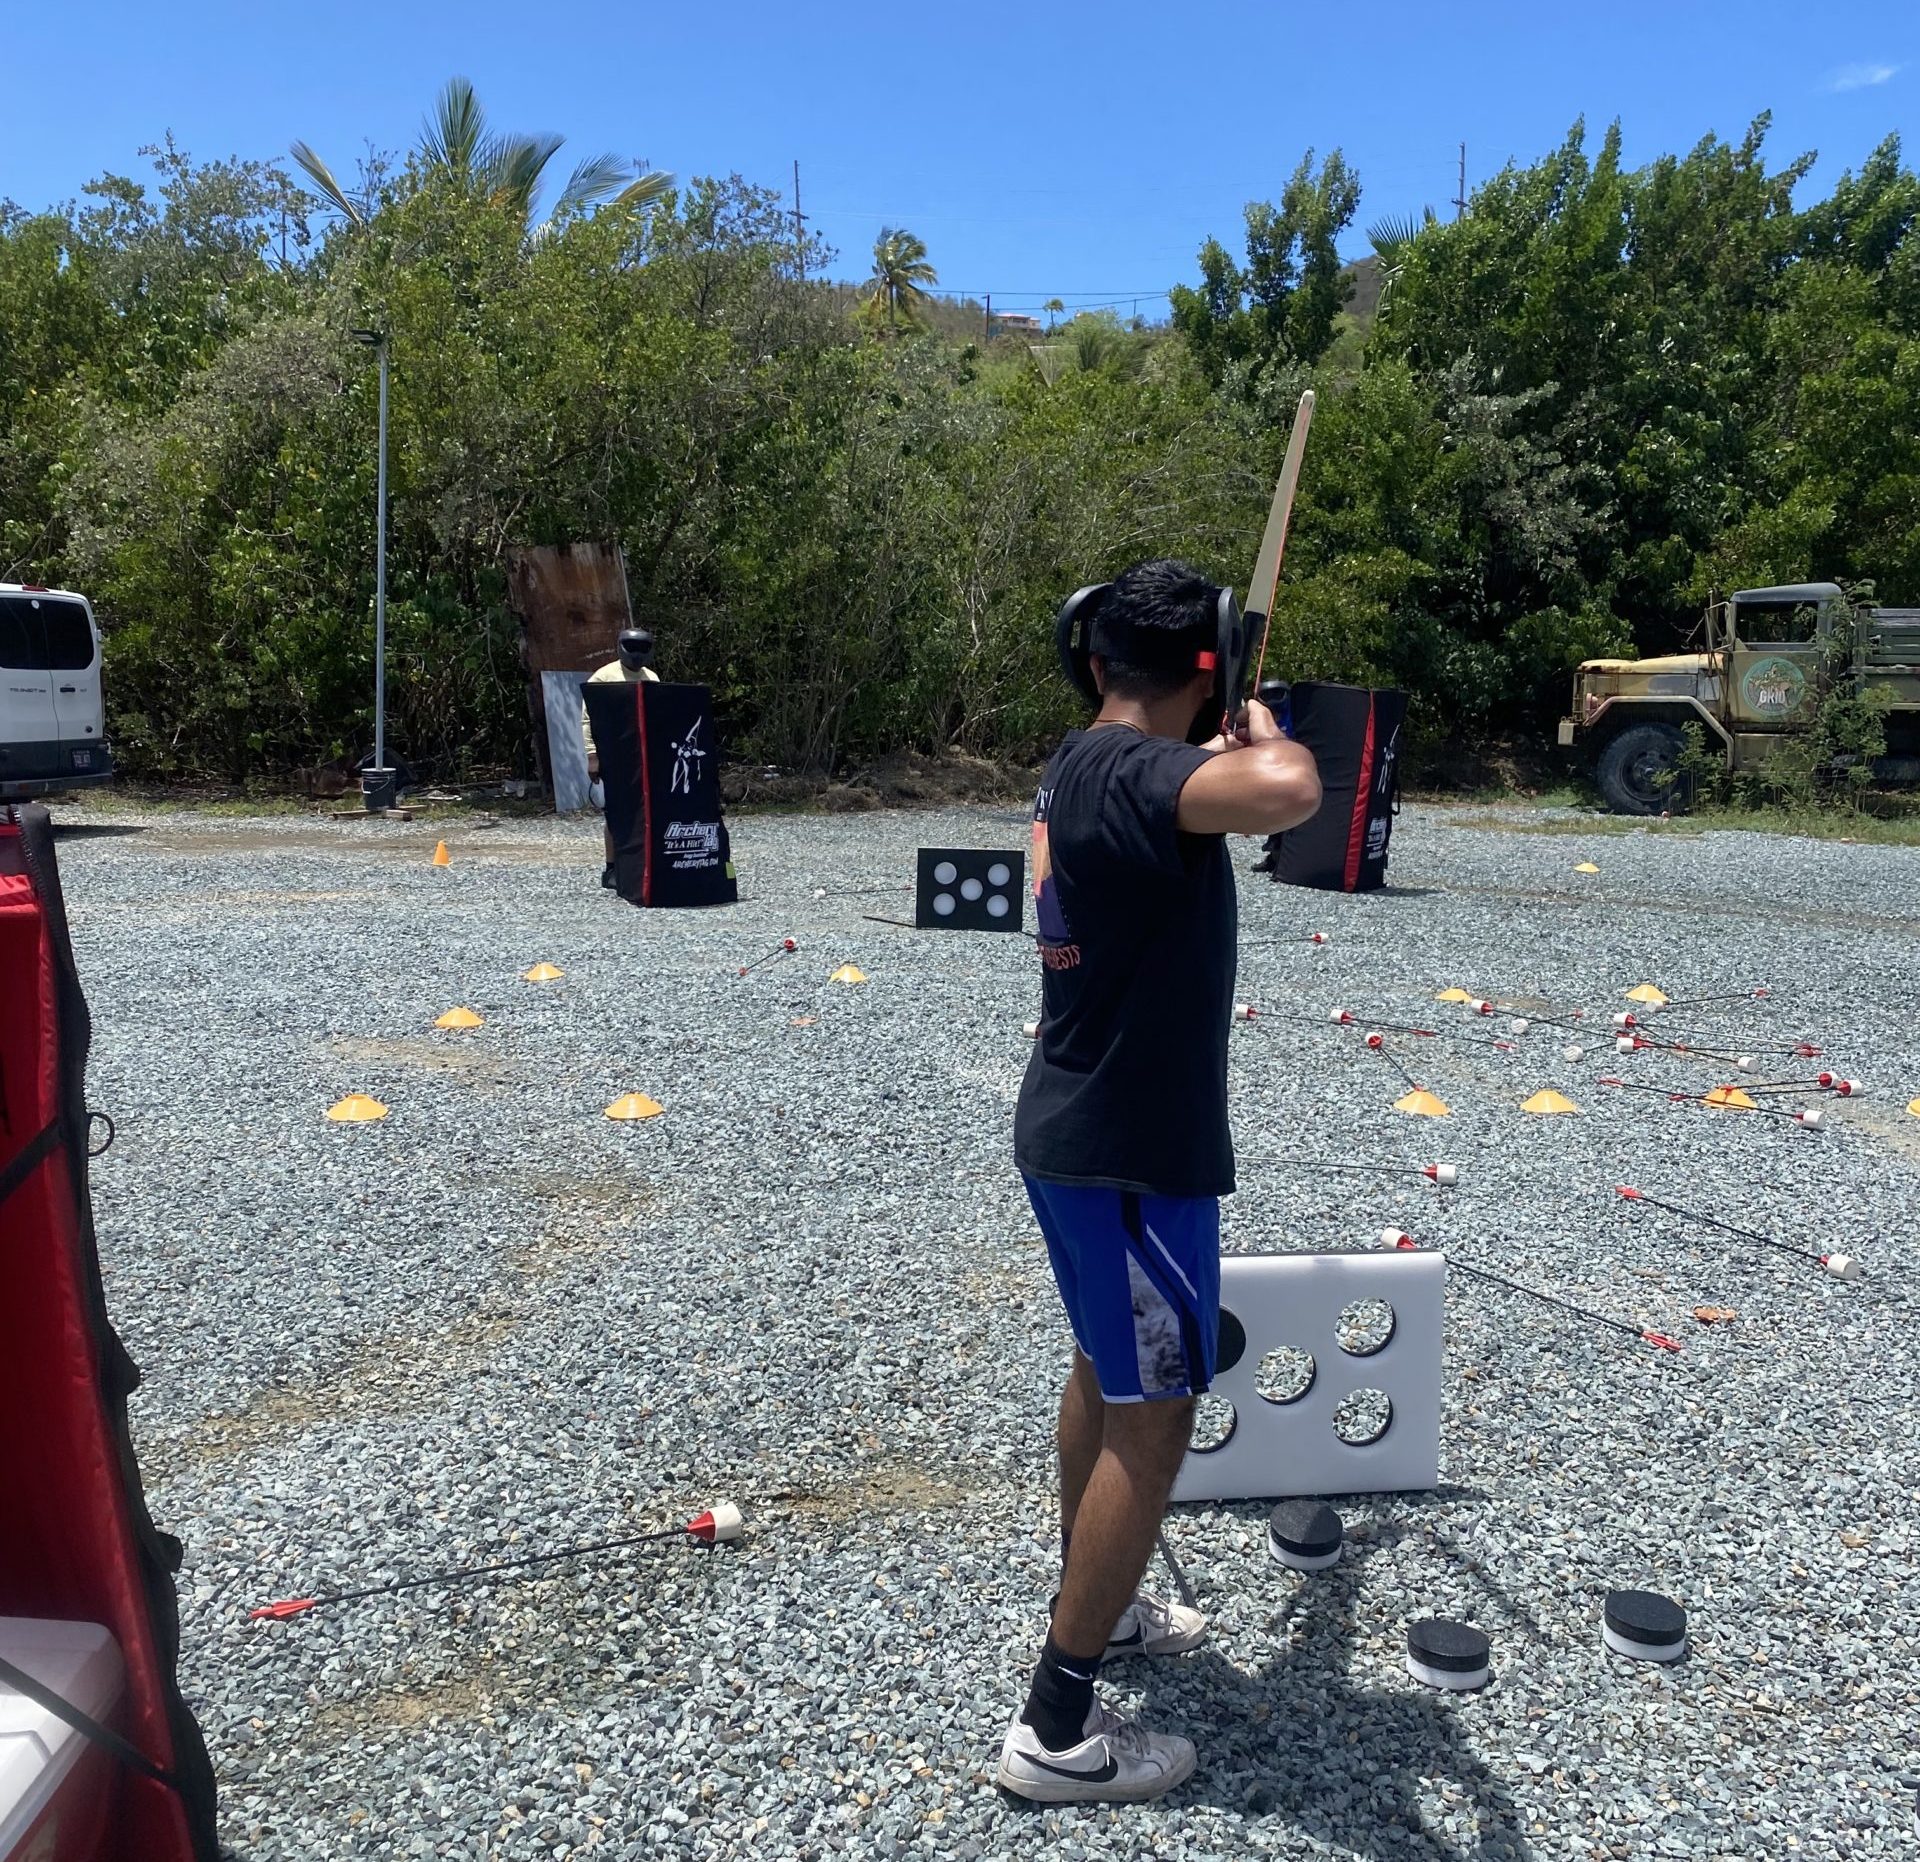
<point>376,784</point>
<point>799,224</point>
<point>1460,199</point>
<point>989,316</point>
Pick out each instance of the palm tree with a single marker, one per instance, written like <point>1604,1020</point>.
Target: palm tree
<point>901,273</point>
<point>1392,239</point>
<point>1053,307</point>
<point>503,168</point>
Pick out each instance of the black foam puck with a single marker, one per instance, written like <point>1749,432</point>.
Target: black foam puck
<point>1305,1534</point>
<point>1644,1625</point>
<point>1444,1654</point>
<point>1645,1616</point>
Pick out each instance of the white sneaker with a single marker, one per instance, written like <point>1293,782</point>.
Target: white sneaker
<point>1153,1626</point>
<point>1116,1762</point>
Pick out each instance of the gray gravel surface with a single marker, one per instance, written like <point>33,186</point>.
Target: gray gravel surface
<point>499,1322</point>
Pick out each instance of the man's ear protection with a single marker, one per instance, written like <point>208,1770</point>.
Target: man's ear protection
<point>1079,634</point>
<point>1073,635</point>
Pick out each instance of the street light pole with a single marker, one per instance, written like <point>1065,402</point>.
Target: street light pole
<point>380,584</point>
<point>377,785</point>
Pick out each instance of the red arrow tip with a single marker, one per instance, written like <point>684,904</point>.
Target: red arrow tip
<point>288,1606</point>
<point>1661,1340</point>
<point>1630,1193</point>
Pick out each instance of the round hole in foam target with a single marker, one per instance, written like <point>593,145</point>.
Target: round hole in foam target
<point>1364,1327</point>
<point>1363,1417</point>
<point>971,889</point>
<point>945,873</point>
<point>997,906</point>
<point>1285,1375</point>
<point>1231,1343</point>
<point>1214,1421</point>
<point>999,873</point>
<point>943,903</point>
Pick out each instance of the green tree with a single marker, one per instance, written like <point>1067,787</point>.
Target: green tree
<point>504,168</point>
<point>902,272</point>
<point>1282,307</point>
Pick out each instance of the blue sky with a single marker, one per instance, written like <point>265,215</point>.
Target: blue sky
<point>1070,150</point>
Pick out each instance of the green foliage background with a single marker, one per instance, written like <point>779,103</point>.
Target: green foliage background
<point>1594,399</point>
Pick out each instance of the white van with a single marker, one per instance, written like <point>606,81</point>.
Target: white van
<point>53,729</point>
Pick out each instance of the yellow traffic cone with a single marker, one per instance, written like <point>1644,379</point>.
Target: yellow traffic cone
<point>1730,1096</point>
<point>1547,1102</point>
<point>441,857</point>
<point>1455,994</point>
<point>1913,1106</point>
<point>1586,866</point>
<point>543,973</point>
<point>356,1109</point>
<point>635,1105</point>
<point>848,973</point>
<point>459,1018</point>
<point>1422,1104</point>
<point>1645,992</point>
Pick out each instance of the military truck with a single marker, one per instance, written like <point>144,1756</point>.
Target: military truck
<point>1768,653</point>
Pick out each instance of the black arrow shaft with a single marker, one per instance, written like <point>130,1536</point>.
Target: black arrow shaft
<point>1394,1063</point>
<point>1549,1299</point>
<point>1327,1163</point>
<point>1728,1228</point>
<point>510,1564</point>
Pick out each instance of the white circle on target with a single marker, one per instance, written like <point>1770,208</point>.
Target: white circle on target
<point>946,873</point>
<point>997,905</point>
<point>943,903</point>
<point>999,873</point>
<point>971,889</point>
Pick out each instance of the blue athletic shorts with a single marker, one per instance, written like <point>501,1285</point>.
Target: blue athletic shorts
<point>1140,1279</point>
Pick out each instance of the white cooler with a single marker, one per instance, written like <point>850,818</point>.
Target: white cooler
<point>56,1785</point>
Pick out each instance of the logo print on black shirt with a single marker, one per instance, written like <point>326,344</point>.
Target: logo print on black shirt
<point>1054,928</point>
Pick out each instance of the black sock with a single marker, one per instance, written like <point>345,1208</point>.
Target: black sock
<point>1061,1696</point>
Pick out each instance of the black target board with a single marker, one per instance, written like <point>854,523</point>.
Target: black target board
<point>970,889</point>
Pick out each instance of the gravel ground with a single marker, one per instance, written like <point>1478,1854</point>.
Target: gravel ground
<point>498,1321</point>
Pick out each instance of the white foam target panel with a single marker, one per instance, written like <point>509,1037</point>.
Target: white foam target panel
<point>1331,1363</point>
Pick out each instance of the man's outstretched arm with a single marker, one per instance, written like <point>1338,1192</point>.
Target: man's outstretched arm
<point>1260,783</point>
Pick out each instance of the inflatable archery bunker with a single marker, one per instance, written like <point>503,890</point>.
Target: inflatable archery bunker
<point>100,1759</point>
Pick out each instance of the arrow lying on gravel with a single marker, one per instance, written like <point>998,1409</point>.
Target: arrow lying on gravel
<point>719,1525</point>
<point>1840,1266</point>
<point>1811,1118</point>
<point>1444,1174</point>
<point>1399,1238</point>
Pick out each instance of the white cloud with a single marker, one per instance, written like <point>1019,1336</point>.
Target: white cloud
<point>1860,77</point>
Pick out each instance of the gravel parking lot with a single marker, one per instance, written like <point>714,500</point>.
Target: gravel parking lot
<point>497,1322</point>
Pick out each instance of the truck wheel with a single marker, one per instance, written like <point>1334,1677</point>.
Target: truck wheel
<point>1633,771</point>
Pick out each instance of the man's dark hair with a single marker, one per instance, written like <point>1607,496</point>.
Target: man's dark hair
<point>1162,597</point>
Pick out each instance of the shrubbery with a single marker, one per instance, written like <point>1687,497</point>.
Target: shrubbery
<point>1593,400</point>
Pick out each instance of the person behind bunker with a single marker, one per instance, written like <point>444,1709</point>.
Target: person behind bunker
<point>633,662</point>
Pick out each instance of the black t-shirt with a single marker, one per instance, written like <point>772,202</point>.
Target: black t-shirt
<point>1127,1087</point>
